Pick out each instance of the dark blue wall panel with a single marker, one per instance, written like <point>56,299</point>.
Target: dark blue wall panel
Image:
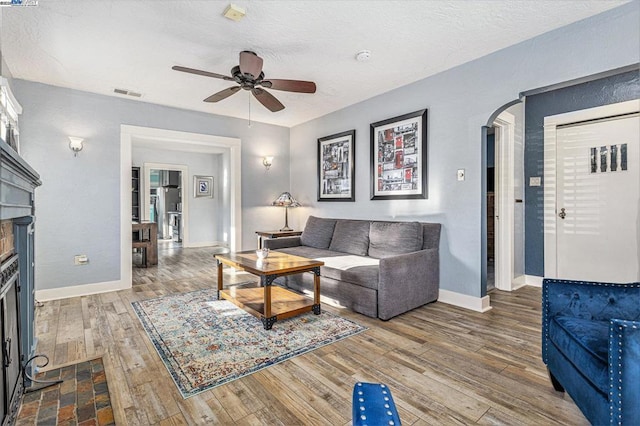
<point>610,90</point>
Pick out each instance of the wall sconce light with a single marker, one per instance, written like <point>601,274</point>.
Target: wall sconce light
<point>75,145</point>
<point>267,161</point>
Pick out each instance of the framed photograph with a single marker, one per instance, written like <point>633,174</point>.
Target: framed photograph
<point>336,167</point>
<point>203,186</point>
<point>399,157</point>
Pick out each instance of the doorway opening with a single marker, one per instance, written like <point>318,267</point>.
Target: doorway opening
<point>503,214</point>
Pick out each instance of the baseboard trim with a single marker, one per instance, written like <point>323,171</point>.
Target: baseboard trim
<point>478,304</point>
<point>207,244</point>
<point>519,282</point>
<point>80,290</point>
<point>533,280</point>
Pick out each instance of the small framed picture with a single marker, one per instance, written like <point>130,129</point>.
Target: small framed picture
<point>203,186</point>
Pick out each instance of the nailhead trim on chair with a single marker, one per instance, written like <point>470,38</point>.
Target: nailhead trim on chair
<point>618,360</point>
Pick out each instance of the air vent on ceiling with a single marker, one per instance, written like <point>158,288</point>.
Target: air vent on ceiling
<point>127,93</point>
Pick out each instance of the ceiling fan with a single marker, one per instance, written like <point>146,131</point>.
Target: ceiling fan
<point>248,74</point>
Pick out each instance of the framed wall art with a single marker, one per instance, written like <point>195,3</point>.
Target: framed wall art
<point>203,186</point>
<point>399,157</point>
<point>336,167</point>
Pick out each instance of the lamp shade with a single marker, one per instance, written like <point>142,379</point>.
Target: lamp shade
<point>285,200</point>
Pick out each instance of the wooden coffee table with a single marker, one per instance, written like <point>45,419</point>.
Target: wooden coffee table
<point>270,302</point>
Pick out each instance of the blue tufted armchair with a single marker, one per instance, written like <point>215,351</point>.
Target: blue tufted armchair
<point>591,346</point>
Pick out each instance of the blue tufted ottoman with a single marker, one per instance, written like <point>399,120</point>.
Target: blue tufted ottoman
<point>373,406</point>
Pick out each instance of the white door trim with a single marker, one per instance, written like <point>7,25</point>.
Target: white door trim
<point>191,142</point>
<point>184,188</point>
<point>505,125</point>
<point>549,178</point>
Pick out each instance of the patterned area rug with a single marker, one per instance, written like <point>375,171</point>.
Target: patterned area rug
<point>205,342</point>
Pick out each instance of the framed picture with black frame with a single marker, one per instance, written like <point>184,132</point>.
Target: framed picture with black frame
<point>399,157</point>
<point>336,167</point>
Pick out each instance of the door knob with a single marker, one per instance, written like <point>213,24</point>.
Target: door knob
<point>562,213</point>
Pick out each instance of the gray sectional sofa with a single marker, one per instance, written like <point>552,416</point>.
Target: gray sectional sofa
<point>379,269</point>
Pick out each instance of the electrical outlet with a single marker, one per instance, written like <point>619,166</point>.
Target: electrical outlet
<point>80,259</point>
<point>460,174</point>
<point>535,181</point>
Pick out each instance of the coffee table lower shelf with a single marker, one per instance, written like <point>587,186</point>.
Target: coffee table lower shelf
<point>284,303</point>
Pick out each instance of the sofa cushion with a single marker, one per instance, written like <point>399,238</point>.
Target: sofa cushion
<point>351,236</point>
<point>310,252</point>
<point>363,271</point>
<point>318,232</point>
<point>585,343</point>
<point>393,238</point>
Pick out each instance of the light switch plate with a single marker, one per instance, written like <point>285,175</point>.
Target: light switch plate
<point>80,259</point>
<point>460,174</point>
<point>535,181</point>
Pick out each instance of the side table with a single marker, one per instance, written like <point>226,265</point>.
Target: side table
<point>267,235</point>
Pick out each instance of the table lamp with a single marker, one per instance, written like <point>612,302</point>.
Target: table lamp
<point>286,200</point>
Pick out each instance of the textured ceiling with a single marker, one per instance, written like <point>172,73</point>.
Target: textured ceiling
<point>99,45</point>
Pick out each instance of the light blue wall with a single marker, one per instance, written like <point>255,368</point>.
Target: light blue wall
<point>460,101</point>
<point>78,205</point>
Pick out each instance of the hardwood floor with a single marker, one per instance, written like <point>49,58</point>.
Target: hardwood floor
<point>444,365</point>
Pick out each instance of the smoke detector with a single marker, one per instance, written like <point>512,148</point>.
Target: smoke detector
<point>234,12</point>
<point>363,56</point>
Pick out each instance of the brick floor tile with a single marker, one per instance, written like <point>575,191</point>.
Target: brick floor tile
<point>86,412</point>
<point>30,397</point>
<point>99,377</point>
<point>101,388</point>
<point>69,385</point>
<point>67,399</point>
<point>27,421</point>
<point>90,422</point>
<point>29,410</point>
<point>105,417</point>
<point>66,413</point>
<point>50,395</point>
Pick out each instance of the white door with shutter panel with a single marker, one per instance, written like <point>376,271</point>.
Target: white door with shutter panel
<point>598,200</point>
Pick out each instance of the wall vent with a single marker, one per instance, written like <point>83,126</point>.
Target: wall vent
<point>127,93</point>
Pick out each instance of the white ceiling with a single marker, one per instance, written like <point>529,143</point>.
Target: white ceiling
<point>99,45</point>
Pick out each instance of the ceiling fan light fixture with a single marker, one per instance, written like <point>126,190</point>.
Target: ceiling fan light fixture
<point>234,12</point>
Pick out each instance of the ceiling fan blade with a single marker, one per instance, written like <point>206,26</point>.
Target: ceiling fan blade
<point>250,63</point>
<point>290,85</point>
<point>223,94</point>
<point>200,72</point>
<point>267,99</point>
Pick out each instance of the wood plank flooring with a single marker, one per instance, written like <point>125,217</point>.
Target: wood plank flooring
<point>444,365</point>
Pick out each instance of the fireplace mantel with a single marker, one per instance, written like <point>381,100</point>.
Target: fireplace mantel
<point>17,184</point>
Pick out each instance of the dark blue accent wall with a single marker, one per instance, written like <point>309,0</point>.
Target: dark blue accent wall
<point>605,91</point>
<point>491,150</point>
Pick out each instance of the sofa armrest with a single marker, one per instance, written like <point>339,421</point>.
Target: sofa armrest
<point>624,371</point>
<point>588,300</point>
<point>408,281</point>
<point>283,242</point>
